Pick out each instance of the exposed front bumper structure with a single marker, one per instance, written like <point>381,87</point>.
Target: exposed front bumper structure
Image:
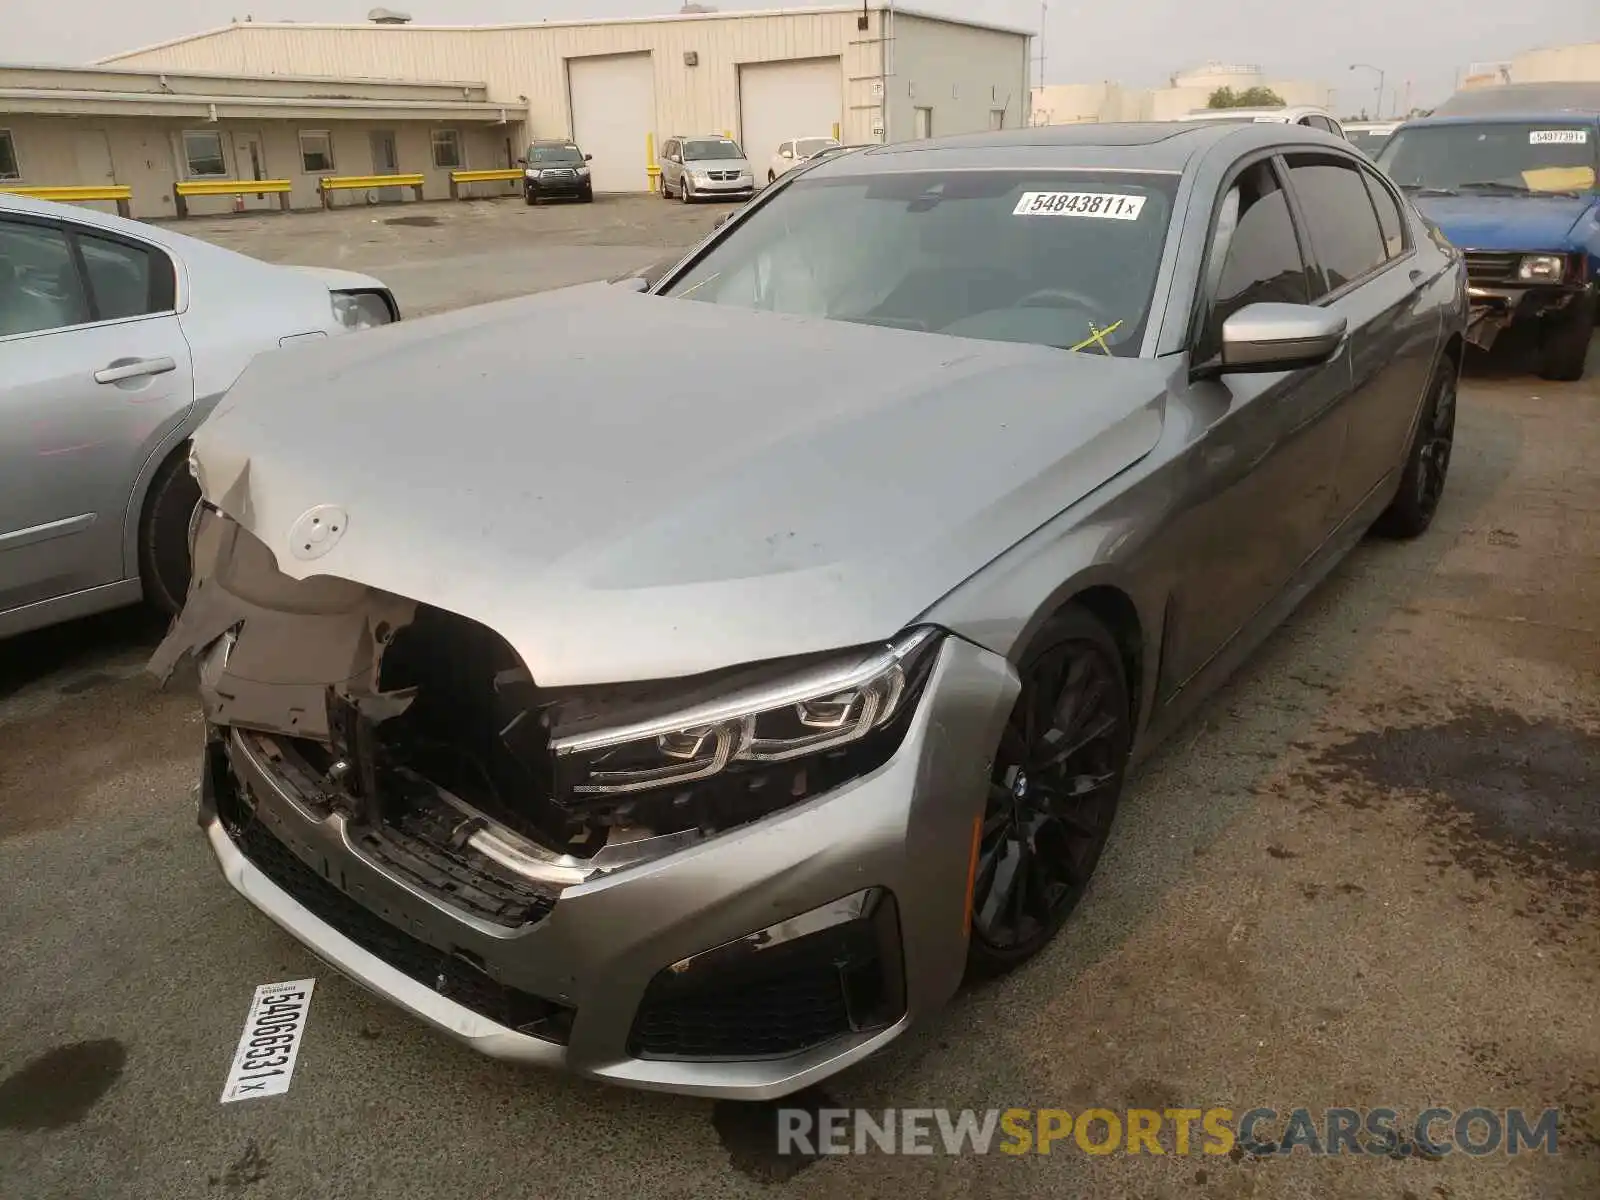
<point>1498,299</point>
<point>836,923</point>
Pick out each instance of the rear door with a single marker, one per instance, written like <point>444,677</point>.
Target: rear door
<point>1369,275</point>
<point>94,375</point>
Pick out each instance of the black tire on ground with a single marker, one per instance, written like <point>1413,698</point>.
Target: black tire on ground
<point>1564,348</point>
<point>588,195</point>
<point>686,191</point>
<point>1053,794</point>
<point>531,197</point>
<point>1427,464</point>
<point>771,176</point>
<point>164,534</point>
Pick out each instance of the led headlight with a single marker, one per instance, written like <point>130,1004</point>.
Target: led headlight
<point>700,176</point>
<point>530,173</point>
<point>845,715</point>
<point>1541,268</point>
<point>360,310</point>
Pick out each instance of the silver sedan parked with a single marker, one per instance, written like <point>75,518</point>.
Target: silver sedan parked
<point>116,339</point>
<point>702,739</point>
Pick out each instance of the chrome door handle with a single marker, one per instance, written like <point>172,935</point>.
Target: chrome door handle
<point>134,369</point>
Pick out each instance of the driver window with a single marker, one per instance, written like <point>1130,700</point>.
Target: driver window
<point>39,285</point>
<point>1254,254</point>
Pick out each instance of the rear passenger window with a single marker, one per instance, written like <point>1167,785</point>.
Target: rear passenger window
<point>1389,221</point>
<point>39,287</point>
<point>1254,255</point>
<point>1343,227</point>
<point>123,278</point>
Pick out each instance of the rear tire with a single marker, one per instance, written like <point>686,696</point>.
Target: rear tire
<point>1427,463</point>
<point>164,534</point>
<point>1053,793</point>
<point>1564,349</point>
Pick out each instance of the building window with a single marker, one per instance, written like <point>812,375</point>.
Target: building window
<point>924,125</point>
<point>202,154</point>
<point>8,157</point>
<point>447,148</point>
<point>316,151</point>
<point>997,118</point>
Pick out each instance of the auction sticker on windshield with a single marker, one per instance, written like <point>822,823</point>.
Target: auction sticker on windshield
<point>264,1062</point>
<point>1558,137</point>
<point>1079,204</point>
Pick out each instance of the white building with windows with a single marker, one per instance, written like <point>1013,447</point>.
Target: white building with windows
<point>260,100</point>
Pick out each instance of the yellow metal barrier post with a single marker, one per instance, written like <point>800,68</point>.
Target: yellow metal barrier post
<point>652,170</point>
<point>121,193</point>
<point>182,190</point>
<point>459,178</point>
<point>329,184</point>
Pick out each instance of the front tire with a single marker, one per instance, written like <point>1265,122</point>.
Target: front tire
<point>532,198</point>
<point>588,195</point>
<point>164,535</point>
<point>1427,464</point>
<point>686,191</point>
<point>1564,349</point>
<point>772,176</point>
<point>1053,791</point>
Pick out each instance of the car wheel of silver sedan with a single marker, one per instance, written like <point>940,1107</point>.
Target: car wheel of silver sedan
<point>1428,464</point>
<point>164,535</point>
<point>1053,791</point>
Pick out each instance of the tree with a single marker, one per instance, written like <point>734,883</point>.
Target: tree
<point>1251,97</point>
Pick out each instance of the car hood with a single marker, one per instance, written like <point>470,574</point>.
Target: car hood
<point>633,487</point>
<point>1506,222</point>
<point>341,281</point>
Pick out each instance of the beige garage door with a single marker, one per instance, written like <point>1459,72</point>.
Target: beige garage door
<point>783,100</point>
<point>613,111</point>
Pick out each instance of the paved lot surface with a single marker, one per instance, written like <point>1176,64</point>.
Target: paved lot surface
<point>1366,875</point>
<point>444,255</point>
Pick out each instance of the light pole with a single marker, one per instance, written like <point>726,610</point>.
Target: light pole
<point>1369,67</point>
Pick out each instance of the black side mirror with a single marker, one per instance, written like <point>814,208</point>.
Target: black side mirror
<point>588,158</point>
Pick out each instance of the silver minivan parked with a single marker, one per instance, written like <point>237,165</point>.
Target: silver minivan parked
<point>705,167</point>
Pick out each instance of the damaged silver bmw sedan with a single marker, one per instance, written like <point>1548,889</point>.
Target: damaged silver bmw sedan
<point>702,737</point>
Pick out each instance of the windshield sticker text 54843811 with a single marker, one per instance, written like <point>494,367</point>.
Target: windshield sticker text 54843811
<point>1079,204</point>
<point>1558,137</point>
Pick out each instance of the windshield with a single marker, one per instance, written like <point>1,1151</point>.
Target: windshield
<point>718,148</point>
<point>806,147</point>
<point>565,154</point>
<point>1056,258</point>
<point>1547,157</point>
<point>1367,140</point>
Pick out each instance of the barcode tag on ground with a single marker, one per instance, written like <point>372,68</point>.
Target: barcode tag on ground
<point>1079,204</point>
<point>264,1062</point>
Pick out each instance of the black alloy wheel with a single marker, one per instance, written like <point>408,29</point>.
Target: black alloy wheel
<point>1428,466</point>
<point>1053,792</point>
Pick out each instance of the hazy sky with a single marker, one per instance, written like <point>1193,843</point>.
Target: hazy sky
<point>1136,42</point>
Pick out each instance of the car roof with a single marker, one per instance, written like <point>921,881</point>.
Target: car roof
<point>1540,99</point>
<point>1126,145</point>
<point>1286,112</point>
<point>1506,118</point>
<point>562,142</point>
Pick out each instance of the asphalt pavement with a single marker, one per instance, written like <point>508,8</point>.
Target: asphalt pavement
<point>1365,875</point>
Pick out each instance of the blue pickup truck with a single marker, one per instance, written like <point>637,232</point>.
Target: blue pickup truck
<point>1519,193</point>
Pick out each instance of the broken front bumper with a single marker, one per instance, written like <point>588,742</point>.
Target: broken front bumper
<point>1495,307</point>
<point>802,942</point>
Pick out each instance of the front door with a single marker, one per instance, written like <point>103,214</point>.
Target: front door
<point>1270,447</point>
<point>385,161</point>
<point>250,161</point>
<point>84,402</point>
<point>91,154</point>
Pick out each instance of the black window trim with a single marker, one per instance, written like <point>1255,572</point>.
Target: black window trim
<point>1200,309</point>
<point>10,135</point>
<point>1334,295</point>
<point>162,299</point>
